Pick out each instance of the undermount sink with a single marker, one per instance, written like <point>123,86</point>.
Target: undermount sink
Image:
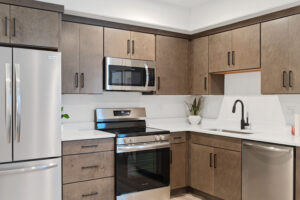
<point>229,131</point>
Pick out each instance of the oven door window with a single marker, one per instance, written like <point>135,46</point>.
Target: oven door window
<point>127,76</point>
<point>142,170</point>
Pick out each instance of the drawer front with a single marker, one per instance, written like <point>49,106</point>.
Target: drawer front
<point>178,137</point>
<point>228,143</point>
<point>88,146</point>
<point>88,166</point>
<point>101,189</point>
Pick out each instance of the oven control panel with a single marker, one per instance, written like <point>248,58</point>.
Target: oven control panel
<point>143,139</point>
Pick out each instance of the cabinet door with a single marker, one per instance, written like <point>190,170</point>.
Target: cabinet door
<point>274,56</point>
<point>294,54</point>
<point>172,65</point>
<point>34,27</point>
<point>199,65</point>
<point>201,168</point>
<point>91,59</point>
<point>117,43</point>
<point>220,52</point>
<point>4,23</point>
<point>70,58</point>
<point>246,47</point>
<point>178,166</point>
<point>227,174</point>
<point>142,46</point>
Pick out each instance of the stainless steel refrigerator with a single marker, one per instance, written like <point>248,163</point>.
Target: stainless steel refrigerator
<point>30,140</point>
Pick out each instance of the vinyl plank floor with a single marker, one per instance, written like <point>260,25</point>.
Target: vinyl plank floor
<point>186,197</point>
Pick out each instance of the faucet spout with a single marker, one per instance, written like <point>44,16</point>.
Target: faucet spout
<point>243,123</point>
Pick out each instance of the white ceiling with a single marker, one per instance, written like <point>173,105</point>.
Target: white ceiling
<point>184,3</point>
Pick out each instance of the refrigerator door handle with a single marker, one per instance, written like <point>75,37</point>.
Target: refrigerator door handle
<point>8,101</point>
<point>18,103</point>
<point>28,169</point>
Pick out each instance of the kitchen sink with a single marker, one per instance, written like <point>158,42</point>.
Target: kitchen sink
<point>229,131</point>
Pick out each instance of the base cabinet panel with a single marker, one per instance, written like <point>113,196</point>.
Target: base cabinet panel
<point>178,166</point>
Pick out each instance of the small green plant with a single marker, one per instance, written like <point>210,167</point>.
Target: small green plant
<point>195,107</point>
<point>66,116</point>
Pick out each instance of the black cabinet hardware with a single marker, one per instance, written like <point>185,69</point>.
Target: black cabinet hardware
<point>133,47</point>
<point>290,78</point>
<point>90,195</point>
<point>89,146</point>
<point>15,26</point>
<point>283,78</point>
<point>128,46</point>
<point>90,167</point>
<point>228,58</point>
<point>82,80</point>
<point>210,160</point>
<point>158,83</point>
<point>205,83</point>
<point>76,80</point>
<point>177,138</point>
<point>233,57</point>
<point>6,26</point>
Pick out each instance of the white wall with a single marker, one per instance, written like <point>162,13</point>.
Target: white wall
<point>216,13</point>
<point>138,12</point>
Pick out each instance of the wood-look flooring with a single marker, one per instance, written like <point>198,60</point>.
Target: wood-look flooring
<point>187,197</point>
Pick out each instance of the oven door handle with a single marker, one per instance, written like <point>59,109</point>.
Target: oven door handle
<point>142,147</point>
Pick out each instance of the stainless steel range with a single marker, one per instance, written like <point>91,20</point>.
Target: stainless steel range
<point>142,154</point>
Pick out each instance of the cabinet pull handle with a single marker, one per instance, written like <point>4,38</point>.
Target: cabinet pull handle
<point>133,47</point>
<point>283,79</point>
<point>158,83</point>
<point>177,138</point>
<point>90,167</point>
<point>210,160</point>
<point>215,160</point>
<point>89,146</point>
<point>233,57</point>
<point>6,26</point>
<point>15,25</point>
<point>205,83</point>
<point>89,195</point>
<point>290,78</point>
<point>76,80</point>
<point>228,58</point>
<point>128,46</point>
<point>171,157</point>
<point>82,80</point>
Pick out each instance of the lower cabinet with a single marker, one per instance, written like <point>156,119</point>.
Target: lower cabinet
<point>178,170</point>
<point>88,169</point>
<point>215,168</point>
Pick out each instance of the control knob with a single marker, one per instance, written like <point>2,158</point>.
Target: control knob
<point>157,138</point>
<point>162,137</point>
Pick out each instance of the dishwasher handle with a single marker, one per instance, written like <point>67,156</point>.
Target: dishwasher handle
<point>267,148</point>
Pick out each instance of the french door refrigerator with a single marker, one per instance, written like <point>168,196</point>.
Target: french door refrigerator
<point>30,141</point>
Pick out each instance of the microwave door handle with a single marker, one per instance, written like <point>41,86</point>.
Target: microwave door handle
<point>147,75</point>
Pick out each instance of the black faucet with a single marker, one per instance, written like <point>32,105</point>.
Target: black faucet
<point>243,123</point>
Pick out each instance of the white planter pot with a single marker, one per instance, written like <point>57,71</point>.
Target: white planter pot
<point>194,119</point>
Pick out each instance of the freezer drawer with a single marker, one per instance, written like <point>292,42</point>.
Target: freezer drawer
<point>267,172</point>
<point>37,101</point>
<point>38,180</point>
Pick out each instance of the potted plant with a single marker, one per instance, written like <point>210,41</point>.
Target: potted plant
<point>194,110</point>
<point>66,116</point>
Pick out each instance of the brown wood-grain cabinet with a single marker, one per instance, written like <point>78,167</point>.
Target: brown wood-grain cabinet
<point>88,169</point>
<point>238,49</point>
<point>172,69</point>
<point>280,56</point>
<point>128,44</point>
<point>82,58</point>
<point>29,27</point>
<point>178,169</point>
<point>203,83</point>
<point>215,163</point>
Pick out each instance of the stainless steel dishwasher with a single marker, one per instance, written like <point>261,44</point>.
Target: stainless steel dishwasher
<point>267,171</point>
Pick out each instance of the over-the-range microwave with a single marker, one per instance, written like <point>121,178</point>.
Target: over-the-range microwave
<point>129,75</point>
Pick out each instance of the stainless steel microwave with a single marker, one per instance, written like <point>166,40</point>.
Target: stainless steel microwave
<point>129,75</point>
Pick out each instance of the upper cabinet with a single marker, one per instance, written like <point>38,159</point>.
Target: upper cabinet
<point>235,50</point>
<point>280,56</point>
<point>29,27</point>
<point>172,65</point>
<point>203,83</point>
<point>82,50</point>
<point>126,44</point>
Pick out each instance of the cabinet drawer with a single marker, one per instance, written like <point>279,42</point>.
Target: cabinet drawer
<point>233,144</point>
<point>178,137</point>
<point>88,166</point>
<point>88,146</point>
<point>101,189</point>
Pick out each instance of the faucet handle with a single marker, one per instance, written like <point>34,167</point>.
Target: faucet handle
<point>247,125</point>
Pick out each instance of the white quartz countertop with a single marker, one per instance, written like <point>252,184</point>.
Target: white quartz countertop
<point>282,137</point>
<point>83,131</point>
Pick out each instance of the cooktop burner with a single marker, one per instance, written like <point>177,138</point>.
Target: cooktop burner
<point>138,131</point>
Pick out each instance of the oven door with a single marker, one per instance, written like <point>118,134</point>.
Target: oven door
<point>140,168</point>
